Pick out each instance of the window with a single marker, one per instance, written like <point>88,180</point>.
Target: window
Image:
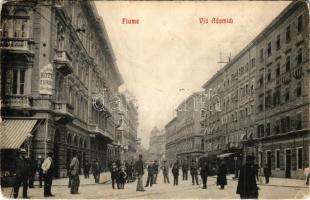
<point>277,159</point>
<point>269,49</point>
<point>277,127</point>
<point>261,102</point>
<point>288,63</point>
<point>278,70</point>
<point>299,57</point>
<point>268,129</point>
<point>298,89</point>
<point>288,125</point>
<point>268,100</point>
<point>278,42</point>
<point>298,121</point>
<point>252,62</point>
<point>299,158</point>
<point>202,113</point>
<point>276,96</point>
<point>20,24</point>
<point>300,24</point>
<point>288,34</point>
<point>269,75</point>
<point>261,55</point>
<point>260,130</point>
<point>287,95</point>
<point>15,81</point>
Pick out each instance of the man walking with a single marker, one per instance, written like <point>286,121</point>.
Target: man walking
<point>247,188</point>
<point>48,172</point>
<point>267,173</point>
<point>165,169</point>
<point>86,169</point>
<point>22,173</point>
<point>204,173</point>
<point>74,169</point>
<point>150,174</point>
<point>113,171</point>
<point>155,167</point>
<point>221,175</point>
<point>96,171</point>
<point>194,172</point>
<point>139,168</point>
<point>175,172</point>
<point>185,171</point>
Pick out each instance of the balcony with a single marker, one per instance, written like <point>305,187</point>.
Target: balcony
<point>17,45</point>
<point>97,131</point>
<point>63,62</point>
<point>63,112</point>
<point>17,101</point>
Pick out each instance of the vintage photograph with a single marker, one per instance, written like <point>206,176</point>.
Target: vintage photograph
<point>154,99</point>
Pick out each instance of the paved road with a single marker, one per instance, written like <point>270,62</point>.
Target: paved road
<point>278,189</point>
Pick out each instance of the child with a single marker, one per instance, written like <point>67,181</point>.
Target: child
<point>175,172</point>
<point>122,177</point>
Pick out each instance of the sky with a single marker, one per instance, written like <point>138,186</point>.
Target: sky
<point>170,54</point>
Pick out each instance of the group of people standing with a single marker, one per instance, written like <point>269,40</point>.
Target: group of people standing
<point>121,173</point>
<point>25,169</point>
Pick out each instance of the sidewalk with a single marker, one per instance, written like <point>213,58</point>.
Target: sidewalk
<point>104,177</point>
<point>278,182</point>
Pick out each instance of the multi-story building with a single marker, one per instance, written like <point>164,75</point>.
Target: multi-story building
<point>157,144</point>
<point>171,146</point>
<point>264,97</point>
<point>127,132</point>
<point>59,79</point>
<point>185,133</point>
<point>282,93</point>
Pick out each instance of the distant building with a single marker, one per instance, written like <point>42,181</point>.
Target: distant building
<point>157,144</point>
<point>184,134</point>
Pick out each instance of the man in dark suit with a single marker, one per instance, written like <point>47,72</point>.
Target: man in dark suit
<point>22,168</point>
<point>204,173</point>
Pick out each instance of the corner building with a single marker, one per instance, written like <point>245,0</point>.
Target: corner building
<point>59,78</point>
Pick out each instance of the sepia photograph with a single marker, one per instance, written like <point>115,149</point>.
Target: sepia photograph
<point>104,99</point>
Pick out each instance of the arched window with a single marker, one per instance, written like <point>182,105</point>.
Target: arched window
<point>75,142</point>
<point>69,139</point>
<point>20,24</point>
<point>80,142</point>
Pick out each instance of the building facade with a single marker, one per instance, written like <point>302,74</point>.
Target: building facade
<point>263,98</point>
<point>185,133</point>
<point>157,145</point>
<point>59,79</point>
<point>127,132</point>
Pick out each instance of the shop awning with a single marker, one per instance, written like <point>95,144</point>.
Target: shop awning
<point>14,132</point>
<point>224,155</point>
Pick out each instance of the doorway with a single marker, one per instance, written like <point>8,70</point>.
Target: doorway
<point>288,155</point>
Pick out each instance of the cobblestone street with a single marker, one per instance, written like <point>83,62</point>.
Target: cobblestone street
<point>277,189</point>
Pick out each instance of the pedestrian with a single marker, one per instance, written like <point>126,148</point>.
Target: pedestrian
<point>165,169</point>
<point>204,173</point>
<point>96,170</point>
<point>39,169</point>
<point>74,169</point>
<point>175,172</point>
<point>267,173</point>
<point>307,173</point>
<point>139,169</point>
<point>113,171</point>
<point>247,187</point>
<point>21,174</point>
<point>185,170</point>
<point>122,177</point>
<point>256,167</point>
<point>150,175</point>
<point>32,171</point>
<point>221,175</point>
<point>86,169</point>
<point>48,172</point>
<point>156,168</point>
<point>194,172</point>
<point>69,176</point>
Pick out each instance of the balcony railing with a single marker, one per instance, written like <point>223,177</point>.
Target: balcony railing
<point>63,62</point>
<point>63,112</point>
<point>16,44</point>
<point>17,101</point>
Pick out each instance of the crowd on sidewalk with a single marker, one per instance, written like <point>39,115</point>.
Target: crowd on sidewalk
<point>123,172</point>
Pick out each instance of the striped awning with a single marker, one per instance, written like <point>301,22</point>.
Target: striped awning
<point>13,132</point>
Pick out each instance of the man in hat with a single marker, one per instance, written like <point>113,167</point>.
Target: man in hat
<point>22,173</point>
<point>48,172</point>
<point>74,169</point>
<point>194,172</point>
<point>165,168</point>
<point>247,188</point>
<point>139,168</point>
